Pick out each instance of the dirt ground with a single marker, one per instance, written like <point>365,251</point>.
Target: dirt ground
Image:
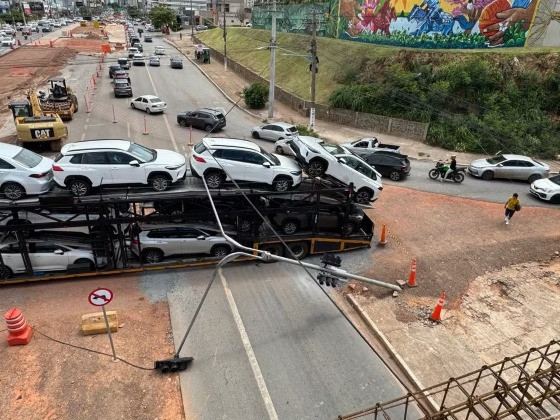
<point>27,68</point>
<point>502,282</point>
<point>48,380</point>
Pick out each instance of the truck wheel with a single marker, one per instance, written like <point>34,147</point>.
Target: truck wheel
<point>289,227</point>
<point>56,145</point>
<point>299,249</point>
<point>274,249</point>
<point>13,191</point>
<point>74,100</point>
<point>79,187</point>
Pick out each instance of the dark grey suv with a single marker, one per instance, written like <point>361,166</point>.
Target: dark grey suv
<point>121,87</point>
<point>205,119</point>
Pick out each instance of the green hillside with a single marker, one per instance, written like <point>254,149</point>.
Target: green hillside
<point>475,100</point>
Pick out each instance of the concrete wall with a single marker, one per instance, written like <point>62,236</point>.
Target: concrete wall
<point>378,123</point>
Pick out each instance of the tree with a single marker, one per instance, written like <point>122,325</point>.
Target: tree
<point>133,12</point>
<point>255,95</point>
<point>114,6</point>
<point>162,16</point>
<point>241,14</point>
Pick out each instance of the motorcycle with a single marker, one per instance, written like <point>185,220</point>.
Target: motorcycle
<point>441,169</point>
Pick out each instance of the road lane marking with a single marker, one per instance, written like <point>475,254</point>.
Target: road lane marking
<point>171,136</point>
<point>128,129</point>
<point>249,350</point>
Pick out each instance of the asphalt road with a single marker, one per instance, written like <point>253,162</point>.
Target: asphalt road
<point>188,89</point>
<point>269,344</point>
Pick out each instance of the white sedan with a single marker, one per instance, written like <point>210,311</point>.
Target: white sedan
<point>23,172</point>
<point>6,42</point>
<point>160,50</point>
<point>547,189</point>
<point>148,103</point>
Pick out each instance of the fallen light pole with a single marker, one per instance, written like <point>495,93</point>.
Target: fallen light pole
<point>329,271</point>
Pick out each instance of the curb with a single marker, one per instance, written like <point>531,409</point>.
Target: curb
<point>389,347</point>
<point>258,117</point>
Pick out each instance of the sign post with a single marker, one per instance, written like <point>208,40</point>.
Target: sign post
<point>101,297</point>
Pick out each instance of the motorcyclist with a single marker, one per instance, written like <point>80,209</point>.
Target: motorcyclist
<point>452,167</point>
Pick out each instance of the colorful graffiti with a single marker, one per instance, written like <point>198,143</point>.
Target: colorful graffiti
<point>437,23</point>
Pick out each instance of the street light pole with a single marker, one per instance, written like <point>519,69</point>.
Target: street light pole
<point>192,21</point>
<point>272,63</point>
<point>313,69</point>
<point>225,37</point>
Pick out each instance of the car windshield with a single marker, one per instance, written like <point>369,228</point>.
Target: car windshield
<point>28,158</point>
<point>333,149</point>
<point>292,129</point>
<point>495,160</point>
<point>155,100</point>
<point>555,179</point>
<point>271,157</point>
<point>142,153</point>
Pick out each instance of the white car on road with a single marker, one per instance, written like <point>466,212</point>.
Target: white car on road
<point>7,42</point>
<point>148,103</point>
<point>242,160</point>
<point>336,162</point>
<point>547,189</point>
<point>23,172</point>
<point>86,164</point>
<point>274,131</point>
<point>160,50</point>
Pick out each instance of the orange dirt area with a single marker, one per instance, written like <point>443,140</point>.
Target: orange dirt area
<point>27,68</point>
<point>49,380</point>
<point>454,240</point>
<point>87,30</point>
<point>81,44</point>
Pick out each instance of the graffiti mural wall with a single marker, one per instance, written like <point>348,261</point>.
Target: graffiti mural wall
<point>437,23</point>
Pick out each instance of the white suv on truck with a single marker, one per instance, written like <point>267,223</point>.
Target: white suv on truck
<point>242,161</point>
<point>87,164</point>
<point>338,163</point>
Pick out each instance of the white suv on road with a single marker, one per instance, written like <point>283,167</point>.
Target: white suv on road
<point>242,161</point>
<point>86,164</point>
<point>336,162</point>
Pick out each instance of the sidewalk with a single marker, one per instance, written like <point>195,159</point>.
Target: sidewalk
<point>232,84</point>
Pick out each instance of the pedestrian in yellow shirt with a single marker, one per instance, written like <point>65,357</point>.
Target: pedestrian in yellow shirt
<point>512,205</point>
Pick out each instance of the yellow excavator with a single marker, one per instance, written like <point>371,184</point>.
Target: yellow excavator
<point>61,99</point>
<point>35,126</point>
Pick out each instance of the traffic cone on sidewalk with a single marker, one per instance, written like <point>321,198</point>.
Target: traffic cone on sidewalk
<point>383,239</point>
<point>436,314</point>
<point>412,276</point>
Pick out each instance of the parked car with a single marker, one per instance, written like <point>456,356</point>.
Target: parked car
<point>331,214</point>
<point>201,27</point>
<point>335,162</point>
<point>45,256</point>
<point>8,42</point>
<point>205,119</point>
<point>242,161</point>
<point>138,59</point>
<point>121,87</point>
<point>148,38</point>
<point>547,189</point>
<point>282,147</point>
<point>124,63</point>
<point>154,61</point>
<point>159,242</point>
<point>274,131</point>
<point>510,167</point>
<point>160,50</point>
<point>368,145</point>
<point>132,51</point>
<point>394,166</point>
<point>84,165</point>
<point>176,63</point>
<point>149,103</point>
<point>23,172</point>
<point>46,28</point>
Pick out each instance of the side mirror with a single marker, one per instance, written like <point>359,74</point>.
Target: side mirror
<point>201,237</point>
<point>134,163</point>
<point>266,164</point>
<point>500,165</point>
<point>342,160</point>
<point>59,252</point>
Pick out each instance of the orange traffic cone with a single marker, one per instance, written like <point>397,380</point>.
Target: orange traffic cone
<point>436,314</point>
<point>383,239</point>
<point>412,276</point>
<point>19,333</point>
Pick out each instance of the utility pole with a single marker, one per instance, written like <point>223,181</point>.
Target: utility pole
<point>313,69</point>
<point>192,21</point>
<point>272,63</point>
<point>225,37</point>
